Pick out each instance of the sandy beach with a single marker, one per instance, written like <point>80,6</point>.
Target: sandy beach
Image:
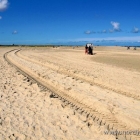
<point>73,96</point>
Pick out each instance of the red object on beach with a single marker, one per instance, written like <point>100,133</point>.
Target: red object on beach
<point>86,50</point>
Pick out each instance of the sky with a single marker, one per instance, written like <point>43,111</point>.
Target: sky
<point>70,22</point>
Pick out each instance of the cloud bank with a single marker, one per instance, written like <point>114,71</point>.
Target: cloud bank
<point>116,28</point>
<point>109,39</point>
<point>3,4</point>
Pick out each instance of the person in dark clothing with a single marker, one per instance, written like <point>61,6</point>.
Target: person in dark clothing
<point>90,50</point>
<point>135,48</point>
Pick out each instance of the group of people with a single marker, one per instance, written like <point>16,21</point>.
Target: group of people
<point>128,48</point>
<point>89,49</point>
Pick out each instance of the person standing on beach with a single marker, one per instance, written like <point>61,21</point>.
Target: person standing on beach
<point>91,49</point>
<point>86,49</point>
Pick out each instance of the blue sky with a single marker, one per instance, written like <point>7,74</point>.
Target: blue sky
<point>70,22</point>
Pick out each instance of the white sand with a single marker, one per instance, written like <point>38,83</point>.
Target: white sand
<point>26,112</point>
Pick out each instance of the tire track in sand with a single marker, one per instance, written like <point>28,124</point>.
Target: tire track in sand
<point>84,78</point>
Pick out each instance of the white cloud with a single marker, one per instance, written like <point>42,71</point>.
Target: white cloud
<point>87,32</point>
<point>0,17</point>
<point>120,39</point>
<point>14,32</point>
<point>104,31</point>
<point>136,30</point>
<point>111,31</point>
<point>116,26</point>
<point>3,4</point>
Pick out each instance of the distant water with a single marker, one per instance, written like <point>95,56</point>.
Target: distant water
<point>100,43</point>
<point>83,43</point>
